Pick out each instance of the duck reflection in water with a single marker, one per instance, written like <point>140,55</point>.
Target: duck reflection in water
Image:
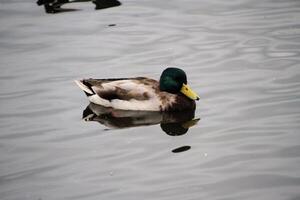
<point>172,123</point>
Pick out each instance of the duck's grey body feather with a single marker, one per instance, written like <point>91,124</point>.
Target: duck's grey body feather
<point>127,94</point>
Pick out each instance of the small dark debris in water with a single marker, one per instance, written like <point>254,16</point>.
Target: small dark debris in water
<point>54,6</point>
<point>181,149</point>
<point>111,24</point>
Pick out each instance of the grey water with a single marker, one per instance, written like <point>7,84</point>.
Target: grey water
<point>241,56</point>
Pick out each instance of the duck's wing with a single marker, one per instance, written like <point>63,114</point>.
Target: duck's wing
<point>140,88</point>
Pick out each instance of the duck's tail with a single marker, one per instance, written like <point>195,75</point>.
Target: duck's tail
<point>85,87</point>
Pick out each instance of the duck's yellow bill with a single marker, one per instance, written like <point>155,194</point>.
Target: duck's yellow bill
<point>187,91</point>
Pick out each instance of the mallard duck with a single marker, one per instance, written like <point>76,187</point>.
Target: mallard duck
<point>171,93</point>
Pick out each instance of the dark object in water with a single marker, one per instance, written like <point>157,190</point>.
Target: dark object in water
<point>181,149</point>
<point>102,4</point>
<point>53,6</point>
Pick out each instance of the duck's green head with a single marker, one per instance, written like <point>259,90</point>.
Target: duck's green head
<point>173,80</point>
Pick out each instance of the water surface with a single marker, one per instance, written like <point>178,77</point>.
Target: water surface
<point>242,57</point>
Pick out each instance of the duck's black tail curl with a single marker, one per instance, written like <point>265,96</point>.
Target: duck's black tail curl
<point>86,87</point>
